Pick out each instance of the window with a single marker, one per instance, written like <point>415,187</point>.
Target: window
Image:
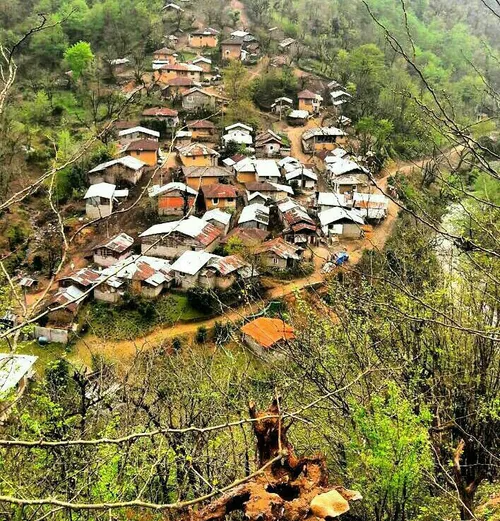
<point>275,260</point>
<point>230,199</point>
<point>215,201</point>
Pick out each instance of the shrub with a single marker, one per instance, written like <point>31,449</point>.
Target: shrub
<point>201,335</point>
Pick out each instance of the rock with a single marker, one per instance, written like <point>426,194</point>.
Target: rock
<point>330,504</point>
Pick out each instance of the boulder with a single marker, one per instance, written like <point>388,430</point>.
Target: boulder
<point>329,504</point>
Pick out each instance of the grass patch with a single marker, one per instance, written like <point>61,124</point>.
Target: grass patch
<point>137,317</point>
<point>45,354</point>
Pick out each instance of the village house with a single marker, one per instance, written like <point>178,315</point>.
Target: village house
<point>339,98</point>
<point>133,134</point>
<point>322,138</point>
<point>238,133</point>
<point>201,269</point>
<point>345,175</point>
<point>100,199</point>
<point>183,138</point>
<point>202,130</point>
<point>245,170</point>
<point>270,144</point>
<point>169,116</point>
<point>309,101</point>
<point>140,275</point>
<point>298,226</point>
<point>82,279</point>
<point>165,54</point>
<point>328,200</point>
<point>297,118</point>
<point>267,170</point>
<point>113,250</point>
<point>174,198</point>
<point>254,216</point>
<point>204,38</point>
<point>282,105</point>
<point>144,150</point>
<point>232,48</point>
<point>272,191</point>
<point>372,207</point>
<point>218,218</point>
<point>173,7</point>
<point>197,154</point>
<point>176,87</point>
<point>303,177</point>
<point>197,98</point>
<point>279,255</point>
<point>249,238</point>
<point>197,176</point>
<point>222,196</point>
<point>265,335</point>
<point>15,372</point>
<point>172,239</point>
<point>288,45</point>
<point>342,223</point>
<point>165,73</point>
<point>126,169</point>
<point>205,64</point>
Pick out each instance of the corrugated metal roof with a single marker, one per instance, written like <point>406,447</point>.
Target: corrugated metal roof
<point>219,191</point>
<point>217,215</point>
<point>332,199</point>
<point>143,144</point>
<point>104,190</point>
<point>12,369</point>
<point>191,262</point>
<point>267,168</point>
<point>301,171</point>
<point>205,171</point>
<point>171,187</point>
<point>341,166</point>
<point>196,149</point>
<point>201,123</point>
<point>119,243</point>
<point>141,130</point>
<point>239,126</point>
<point>336,214</point>
<point>281,248</point>
<point>193,227</point>
<point>322,131</point>
<point>255,212</point>
<point>268,331</point>
<point>127,161</point>
<point>85,277</point>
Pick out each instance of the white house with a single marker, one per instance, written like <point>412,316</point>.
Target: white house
<point>328,200</point>
<point>371,206</point>
<point>304,177</point>
<point>133,134</point>
<point>341,222</point>
<point>99,199</point>
<point>218,218</point>
<point>113,250</point>
<point>254,216</point>
<point>126,168</point>
<point>238,136</point>
<point>15,371</point>
<point>267,170</point>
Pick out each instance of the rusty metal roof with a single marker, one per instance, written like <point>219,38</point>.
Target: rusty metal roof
<point>227,265</point>
<point>268,331</point>
<point>281,248</point>
<point>84,277</point>
<point>219,191</point>
<point>119,243</point>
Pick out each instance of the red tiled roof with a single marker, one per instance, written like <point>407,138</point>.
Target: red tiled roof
<point>160,111</point>
<point>180,82</point>
<point>201,123</point>
<point>219,191</point>
<point>306,94</point>
<point>143,144</point>
<point>268,331</point>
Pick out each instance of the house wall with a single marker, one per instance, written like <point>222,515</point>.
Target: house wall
<point>59,336</point>
<point>268,150</point>
<point>222,203</point>
<point>253,224</point>
<point>202,134</point>
<point>231,52</point>
<point>107,295</point>
<point>97,211</point>
<point>306,104</point>
<point>246,177</point>
<point>352,231</point>
<point>150,291</point>
<point>269,260</point>
<point>254,346</point>
<point>198,41</point>
<point>173,205</point>
<point>194,182</point>
<point>225,282</point>
<point>150,157</point>
<point>173,246</point>
<point>109,260</point>
<point>197,100</point>
<point>198,160</point>
<point>185,282</point>
<point>135,136</point>
<point>116,173</point>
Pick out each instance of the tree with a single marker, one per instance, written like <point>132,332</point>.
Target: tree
<point>79,57</point>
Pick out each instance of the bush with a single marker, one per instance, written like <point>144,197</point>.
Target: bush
<point>201,335</point>
<point>203,300</point>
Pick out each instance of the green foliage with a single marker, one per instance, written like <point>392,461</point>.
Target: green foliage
<point>388,453</point>
<point>201,335</point>
<point>268,87</point>
<point>78,57</point>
